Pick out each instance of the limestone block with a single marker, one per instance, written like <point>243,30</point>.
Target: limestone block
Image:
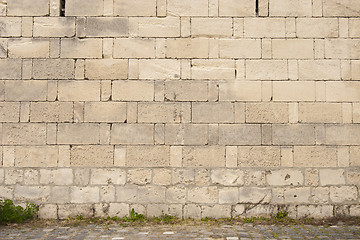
<point>159,69</point>
<point>342,48</point>
<point>227,177</point>
<point>239,134</point>
<point>152,194</point>
<point>267,113</point>
<point>240,91</point>
<point>81,48</point>
<point>27,90</point>
<point>211,156</point>
<point>28,48</point>
<point>183,176</point>
<point>139,176</point>
<point>81,8</point>
<point>320,113</point>
<point>106,69</point>
<point>347,91</point>
<point>51,112</point>
<point>10,69</point>
<point>285,177</point>
<point>118,209</point>
<point>213,112</point>
<point>81,176</point>
<point>297,8</point>
<point>192,210</point>
<point>240,48</point>
<point>355,70</point>
<point>10,26</point>
<point>31,177</point>
<point>147,156</point>
<point>176,194</point>
<point>332,177</point>
<point>6,192</point>
<point>187,48</point>
<point>159,27</point>
<point>315,211</point>
<point>186,91</point>
<point>13,176</point>
<point>73,210</point>
<point>48,211</point>
<point>10,112</point>
<point>132,134</point>
<point>53,69</point>
<point>36,156</point>
<point>202,177</point>
<point>134,48</point>
<point>264,27</point>
<point>315,156</point>
<point>101,210</point>
<point>343,194</point>
<point>317,27</point>
<point>127,193</point>
<point>354,26</point>
<point>186,134</point>
<point>91,156</point>
<point>24,134</point>
<point>355,156</point>
<point>163,112</point>
<point>106,27</point>
<point>228,195</point>
<point>254,195</point>
<point>79,90</point>
<point>84,194</point>
<point>266,70</point>
<point>104,112</point>
<point>355,210</point>
<point>343,134</point>
<point>258,156</point>
<point>54,27</point>
<point>107,176</point>
<point>60,195</point>
<point>300,48</point>
<point>211,27</point>
<point>162,176</point>
<point>235,8</point>
<point>142,8</point>
<point>68,133</point>
<point>133,90</point>
<point>37,194</point>
<point>320,195</point>
<point>28,8</point>
<point>187,8</point>
<point>319,70</point>
<point>213,69</point>
<point>339,8</point>
<point>293,134</point>
<point>203,195</point>
<point>254,177</point>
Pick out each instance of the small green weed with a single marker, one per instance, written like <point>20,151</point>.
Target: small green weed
<point>281,215</point>
<point>9,213</point>
<point>79,217</point>
<point>134,216</point>
<point>254,219</point>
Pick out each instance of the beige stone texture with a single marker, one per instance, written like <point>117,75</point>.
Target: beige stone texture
<point>84,194</point>
<point>255,178</point>
<point>311,156</point>
<point>258,156</point>
<point>135,8</point>
<point>227,177</point>
<point>104,112</point>
<point>217,112</point>
<point>11,26</point>
<point>264,27</point>
<point>159,69</point>
<point>26,26</point>
<point>147,156</point>
<point>73,210</point>
<point>186,134</point>
<point>353,178</point>
<point>254,195</point>
<point>28,8</point>
<point>51,112</point>
<point>187,8</point>
<point>134,48</point>
<point>186,91</point>
<point>187,48</point>
<point>153,194</point>
<point>10,112</point>
<point>343,194</point>
<point>336,8</point>
<point>355,70</point>
<point>139,176</point>
<point>294,91</point>
<point>38,194</point>
<point>107,176</point>
<point>54,27</point>
<point>354,26</point>
<point>10,69</point>
<point>292,48</point>
<point>88,8</point>
<point>234,8</point>
<point>348,134</point>
<point>28,48</point>
<point>23,134</point>
<point>319,70</point>
<point>320,113</point>
<point>79,90</point>
<point>131,134</point>
<point>176,194</point>
<point>240,91</point>
<point>106,27</point>
<point>267,113</point>
<point>81,48</point>
<point>106,69</point>
<point>183,176</point>
<point>53,69</point>
<point>28,90</point>
<point>31,177</point>
<point>266,70</point>
<point>76,133</point>
<point>60,176</point>
<point>293,134</point>
<point>162,176</point>
<point>240,48</point>
<point>239,134</point>
<point>133,90</point>
<point>317,27</point>
<point>36,156</point>
<point>211,27</point>
<point>332,177</point>
<point>285,177</point>
<point>158,27</point>
<point>91,156</point>
<point>48,211</point>
<point>164,112</point>
<point>296,8</point>
<point>355,156</point>
<point>203,195</point>
<point>209,156</point>
<point>228,195</point>
<point>212,69</point>
<point>345,91</point>
<point>342,48</point>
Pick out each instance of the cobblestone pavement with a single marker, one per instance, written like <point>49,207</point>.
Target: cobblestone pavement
<point>116,232</point>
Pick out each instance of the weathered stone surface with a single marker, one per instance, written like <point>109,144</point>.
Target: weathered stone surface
<point>36,156</point>
<point>23,134</point>
<point>285,177</point>
<point>211,156</point>
<point>92,156</point>
<point>186,134</point>
<point>104,112</point>
<point>227,177</point>
<point>147,156</point>
<point>257,156</point>
<point>239,134</point>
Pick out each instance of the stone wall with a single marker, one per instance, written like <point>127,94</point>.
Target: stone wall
<point>193,108</point>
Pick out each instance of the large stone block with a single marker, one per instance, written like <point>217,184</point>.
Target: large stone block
<point>51,112</point>
<point>343,134</point>
<point>254,195</point>
<point>264,27</point>
<point>10,26</point>
<point>60,176</point>
<point>210,156</point>
<point>266,70</point>
<point>106,69</point>
<point>159,27</point>
<point>28,48</point>
<point>320,113</point>
<point>343,194</point>
<point>159,69</point>
<point>54,27</point>
<point>133,91</point>
<point>104,112</point>
<point>107,176</point>
<point>79,90</point>
<point>258,156</point>
<point>319,70</point>
<point>81,8</point>
<point>163,112</point>
<point>10,69</point>
<point>75,133</point>
<point>187,48</point>
<point>227,177</point>
<point>147,156</point>
<point>134,48</point>
<point>53,69</point>
<point>293,134</point>
<point>106,27</point>
<point>344,91</point>
<point>296,8</point>
<point>81,48</point>
<point>285,177</point>
<point>300,48</point>
<point>213,112</point>
<point>10,112</point>
<point>203,195</point>
<point>132,134</point>
<point>332,177</point>
<point>317,27</point>
<point>130,8</point>
<point>36,156</point>
<point>84,194</point>
<point>240,48</point>
<point>267,113</point>
<point>23,134</point>
<point>240,91</point>
<point>239,134</point>
<point>151,194</point>
<point>211,27</point>
<point>235,8</point>
<point>186,91</point>
<point>187,8</point>
<point>342,48</point>
<point>355,156</point>
<point>212,69</point>
<point>28,8</point>
<point>186,134</point>
<point>341,8</point>
<point>39,194</point>
<point>311,156</point>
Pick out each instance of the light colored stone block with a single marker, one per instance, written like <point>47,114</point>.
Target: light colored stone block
<point>342,134</point>
<point>79,90</point>
<point>296,8</point>
<point>211,27</point>
<point>187,8</point>
<point>346,91</point>
<point>234,8</point>
<point>106,69</point>
<point>68,133</point>
<point>132,134</point>
<point>107,176</point>
<point>311,156</point>
<point>319,70</point>
<point>211,156</point>
<point>92,156</point>
<point>28,8</point>
<point>254,195</point>
<point>258,156</point>
<point>266,70</point>
<point>300,48</point>
<point>84,194</point>
<point>158,27</point>
<point>147,156</point>
<point>285,177</point>
<point>11,26</point>
<point>186,134</point>
<point>213,69</point>
<point>264,27</point>
<point>343,194</point>
<point>342,48</point>
<point>227,177</point>
<point>10,112</point>
<point>239,134</point>
<point>81,48</point>
<point>341,8</point>
<point>36,156</point>
<point>294,91</point>
<point>141,8</point>
<point>203,195</point>
<point>54,27</point>
<point>134,48</point>
<point>240,91</point>
<point>106,27</point>
<point>23,134</point>
<point>240,48</point>
<point>163,112</point>
<point>186,91</point>
<point>53,69</point>
<point>187,48</point>
<point>317,27</point>
<point>267,113</point>
<point>159,69</point>
<point>10,69</point>
<point>88,8</point>
<point>133,90</point>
